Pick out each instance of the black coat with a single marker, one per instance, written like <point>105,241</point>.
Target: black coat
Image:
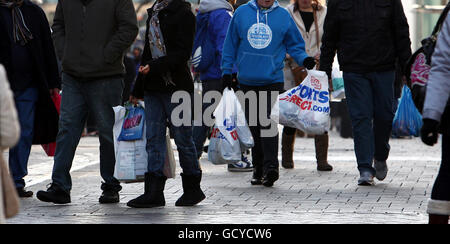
<point>368,35</point>
<point>178,28</point>
<point>44,58</point>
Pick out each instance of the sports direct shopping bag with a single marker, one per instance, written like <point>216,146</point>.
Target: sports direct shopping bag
<point>407,120</point>
<point>133,124</point>
<point>230,133</point>
<point>305,107</point>
<point>131,156</point>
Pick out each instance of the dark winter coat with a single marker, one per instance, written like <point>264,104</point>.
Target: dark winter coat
<point>91,39</point>
<point>368,36</point>
<point>178,28</point>
<point>46,69</point>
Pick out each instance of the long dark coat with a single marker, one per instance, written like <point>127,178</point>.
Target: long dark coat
<point>43,53</point>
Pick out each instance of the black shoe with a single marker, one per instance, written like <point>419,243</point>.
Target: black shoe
<point>110,193</point>
<point>109,196</point>
<point>270,178</point>
<point>54,194</point>
<point>257,178</point>
<point>153,193</point>
<point>193,194</point>
<point>24,194</point>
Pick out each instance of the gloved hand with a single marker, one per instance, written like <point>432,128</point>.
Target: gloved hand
<point>309,63</point>
<point>227,81</point>
<point>429,131</point>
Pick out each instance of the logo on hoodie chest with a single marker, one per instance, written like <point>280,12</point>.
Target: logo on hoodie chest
<point>259,36</point>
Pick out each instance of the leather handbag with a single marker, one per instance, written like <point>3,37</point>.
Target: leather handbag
<point>10,199</point>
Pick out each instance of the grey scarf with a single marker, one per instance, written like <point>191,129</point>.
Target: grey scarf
<point>156,39</point>
<point>21,33</point>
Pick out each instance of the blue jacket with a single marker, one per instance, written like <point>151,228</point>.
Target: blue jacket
<point>259,53</point>
<point>220,13</point>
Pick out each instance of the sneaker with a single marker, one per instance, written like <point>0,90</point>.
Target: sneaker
<point>24,194</point>
<point>243,166</point>
<point>381,170</point>
<point>54,194</point>
<point>366,179</point>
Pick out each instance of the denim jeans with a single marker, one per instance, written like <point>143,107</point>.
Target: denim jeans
<point>158,111</point>
<point>265,150</point>
<point>18,156</point>
<point>200,132</point>
<point>97,97</point>
<point>370,99</point>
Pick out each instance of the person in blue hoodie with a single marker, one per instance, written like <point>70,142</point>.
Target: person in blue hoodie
<point>260,35</point>
<point>215,16</point>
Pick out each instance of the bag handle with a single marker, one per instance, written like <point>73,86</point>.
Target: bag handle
<point>441,20</point>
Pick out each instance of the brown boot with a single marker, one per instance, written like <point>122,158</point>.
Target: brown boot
<point>300,133</point>
<point>287,150</point>
<point>321,142</point>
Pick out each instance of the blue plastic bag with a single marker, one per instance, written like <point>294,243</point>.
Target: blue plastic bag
<point>133,124</point>
<point>407,120</point>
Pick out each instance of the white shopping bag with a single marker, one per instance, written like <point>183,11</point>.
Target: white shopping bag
<point>131,156</point>
<point>230,131</point>
<point>338,84</point>
<point>305,107</point>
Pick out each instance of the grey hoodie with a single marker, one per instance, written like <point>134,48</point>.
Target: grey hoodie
<point>207,6</point>
<point>438,88</point>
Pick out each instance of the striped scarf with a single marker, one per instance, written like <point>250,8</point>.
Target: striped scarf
<point>21,33</point>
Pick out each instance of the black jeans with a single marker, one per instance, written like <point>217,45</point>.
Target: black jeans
<point>441,188</point>
<point>265,151</point>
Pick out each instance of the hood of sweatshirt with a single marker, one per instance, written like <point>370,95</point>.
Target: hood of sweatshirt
<point>207,6</point>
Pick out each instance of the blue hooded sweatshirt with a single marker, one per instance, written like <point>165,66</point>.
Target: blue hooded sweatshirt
<point>257,42</point>
<point>220,13</point>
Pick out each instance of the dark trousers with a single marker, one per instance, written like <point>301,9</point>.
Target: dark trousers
<point>441,188</point>
<point>265,151</point>
<point>158,112</point>
<point>370,100</point>
<point>201,132</point>
<point>79,98</point>
<point>25,101</point>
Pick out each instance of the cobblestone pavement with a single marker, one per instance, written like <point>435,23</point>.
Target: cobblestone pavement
<point>302,195</point>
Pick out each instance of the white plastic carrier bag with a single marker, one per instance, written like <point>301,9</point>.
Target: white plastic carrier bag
<point>305,107</point>
<point>131,156</point>
<point>230,133</point>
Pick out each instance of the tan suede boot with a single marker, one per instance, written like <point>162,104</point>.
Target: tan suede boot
<point>321,142</point>
<point>287,151</point>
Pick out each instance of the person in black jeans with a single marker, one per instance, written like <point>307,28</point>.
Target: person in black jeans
<point>436,118</point>
<point>254,43</point>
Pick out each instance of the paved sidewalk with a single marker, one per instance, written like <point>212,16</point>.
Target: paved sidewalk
<point>302,195</point>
